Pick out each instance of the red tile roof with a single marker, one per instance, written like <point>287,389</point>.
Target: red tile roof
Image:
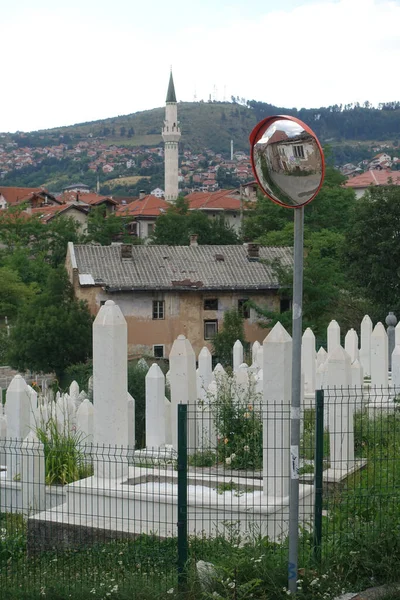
<point>374,177</point>
<point>48,212</point>
<point>149,206</point>
<point>220,200</point>
<point>90,198</point>
<point>17,195</point>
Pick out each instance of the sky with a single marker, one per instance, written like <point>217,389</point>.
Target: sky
<point>71,61</point>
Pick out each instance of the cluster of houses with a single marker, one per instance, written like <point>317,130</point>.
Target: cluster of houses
<point>196,171</point>
<point>380,170</point>
<point>141,213</point>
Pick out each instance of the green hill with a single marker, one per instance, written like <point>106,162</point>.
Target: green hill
<point>204,125</point>
<point>352,131</point>
<point>214,124</point>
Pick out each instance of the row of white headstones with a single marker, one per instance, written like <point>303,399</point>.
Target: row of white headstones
<point>111,421</point>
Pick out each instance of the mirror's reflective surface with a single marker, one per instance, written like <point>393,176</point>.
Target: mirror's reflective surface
<point>288,162</point>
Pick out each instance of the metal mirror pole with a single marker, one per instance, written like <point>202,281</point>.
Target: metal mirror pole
<point>296,396</point>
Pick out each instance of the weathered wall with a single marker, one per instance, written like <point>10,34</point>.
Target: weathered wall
<point>184,313</point>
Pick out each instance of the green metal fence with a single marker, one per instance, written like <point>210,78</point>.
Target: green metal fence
<point>208,520</point>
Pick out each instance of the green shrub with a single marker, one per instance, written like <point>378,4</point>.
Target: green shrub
<point>64,460</point>
<point>237,416</point>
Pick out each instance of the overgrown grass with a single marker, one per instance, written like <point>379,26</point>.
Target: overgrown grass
<point>65,461</point>
<point>361,547</point>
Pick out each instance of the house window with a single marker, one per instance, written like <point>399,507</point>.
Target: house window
<point>158,309</point>
<point>298,151</point>
<point>158,351</point>
<point>210,329</point>
<point>211,304</point>
<point>243,309</point>
<point>285,304</point>
<point>150,228</point>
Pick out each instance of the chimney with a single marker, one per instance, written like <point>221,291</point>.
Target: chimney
<point>253,252</point>
<point>126,251</point>
<point>142,194</point>
<point>193,240</point>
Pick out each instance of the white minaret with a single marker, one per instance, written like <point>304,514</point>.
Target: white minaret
<point>171,134</point>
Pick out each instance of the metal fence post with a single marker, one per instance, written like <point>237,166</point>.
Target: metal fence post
<point>182,495</point>
<point>318,469</point>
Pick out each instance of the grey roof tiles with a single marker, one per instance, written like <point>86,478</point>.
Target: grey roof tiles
<point>182,267</point>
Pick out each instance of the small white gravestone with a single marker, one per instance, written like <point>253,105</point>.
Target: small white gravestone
<point>131,422</point>
<point>351,344</point>
<point>3,436</point>
<point>204,413</point>
<point>277,456</point>
<point>237,355</point>
<point>74,391</point>
<point>333,336</point>
<point>396,367</point>
<point>254,349</point>
<point>322,356</point>
<point>182,366</point>
<point>365,351</point>
<point>379,362</point>
<point>18,412</point>
<point>155,408</point>
<point>308,361</point>
<point>204,372</point>
<point>32,474</point>
<point>110,389</point>
<point>341,428</point>
<point>84,421</point>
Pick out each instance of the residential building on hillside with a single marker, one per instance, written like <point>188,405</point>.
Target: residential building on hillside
<point>89,199</point>
<point>227,203</point>
<point>77,187</point>
<point>158,192</point>
<point>32,197</point>
<point>78,212</point>
<point>360,183</point>
<point>164,291</point>
<point>143,212</point>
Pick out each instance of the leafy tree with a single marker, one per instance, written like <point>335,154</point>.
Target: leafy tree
<point>174,227</point>
<point>4,347</point>
<point>13,292</point>
<point>20,230</point>
<point>31,266</point>
<point>325,285</point>
<point>59,232</point>
<point>331,209</point>
<point>223,341</point>
<point>372,247</point>
<point>105,228</point>
<point>53,330</point>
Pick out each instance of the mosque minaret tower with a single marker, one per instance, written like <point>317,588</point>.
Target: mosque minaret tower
<point>171,134</point>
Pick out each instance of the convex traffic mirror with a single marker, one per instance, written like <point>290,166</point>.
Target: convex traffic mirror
<point>287,160</point>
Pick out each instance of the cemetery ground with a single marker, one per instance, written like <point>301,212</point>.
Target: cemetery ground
<point>360,543</point>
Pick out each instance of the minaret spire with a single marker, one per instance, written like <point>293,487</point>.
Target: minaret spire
<point>171,134</point>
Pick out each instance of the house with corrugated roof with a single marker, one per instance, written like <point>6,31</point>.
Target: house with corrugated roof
<point>164,291</point>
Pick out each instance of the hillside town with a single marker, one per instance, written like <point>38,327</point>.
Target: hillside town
<point>197,171</point>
